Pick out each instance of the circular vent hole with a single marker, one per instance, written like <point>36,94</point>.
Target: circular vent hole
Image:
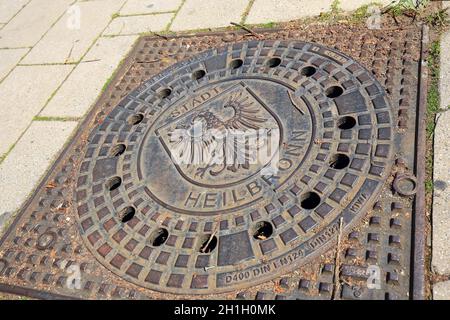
<point>158,237</point>
<point>136,119</point>
<point>127,214</point>
<point>164,93</point>
<point>118,150</point>
<point>197,75</point>
<point>310,200</point>
<point>308,71</point>
<point>208,243</point>
<point>339,161</point>
<point>346,123</point>
<point>113,183</point>
<point>273,62</point>
<point>334,92</point>
<point>236,63</point>
<point>405,185</point>
<point>263,230</point>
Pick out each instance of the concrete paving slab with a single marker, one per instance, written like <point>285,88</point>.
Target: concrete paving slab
<point>444,86</point>
<point>31,23</point>
<point>138,24</point>
<point>441,291</point>
<point>200,14</point>
<point>80,91</point>
<point>10,8</point>
<point>23,94</point>
<point>441,195</point>
<point>149,6</point>
<point>28,161</point>
<point>110,49</point>
<point>67,41</point>
<point>9,59</point>
<point>264,11</point>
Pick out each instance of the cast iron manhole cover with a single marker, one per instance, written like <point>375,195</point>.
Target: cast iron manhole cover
<point>197,226</point>
<point>134,208</point>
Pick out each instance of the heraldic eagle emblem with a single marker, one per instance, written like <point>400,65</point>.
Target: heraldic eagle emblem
<point>217,141</point>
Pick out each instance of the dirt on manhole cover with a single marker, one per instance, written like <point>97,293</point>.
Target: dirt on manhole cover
<point>156,199</point>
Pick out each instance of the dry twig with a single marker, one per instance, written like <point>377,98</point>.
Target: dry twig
<point>246,29</point>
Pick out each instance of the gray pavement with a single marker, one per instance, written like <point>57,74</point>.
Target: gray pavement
<point>441,176</point>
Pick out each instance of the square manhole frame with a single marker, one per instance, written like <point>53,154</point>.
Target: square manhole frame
<point>418,276</point>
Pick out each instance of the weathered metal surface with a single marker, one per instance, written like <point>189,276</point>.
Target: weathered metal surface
<point>305,91</point>
<point>75,219</point>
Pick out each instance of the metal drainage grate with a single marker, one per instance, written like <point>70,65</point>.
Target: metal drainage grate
<point>119,209</point>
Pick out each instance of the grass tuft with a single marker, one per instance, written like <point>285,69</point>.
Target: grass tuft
<point>363,12</point>
<point>432,110</point>
<point>43,118</point>
<point>333,14</point>
<point>247,11</point>
<point>439,18</point>
<point>407,7</point>
<point>267,25</point>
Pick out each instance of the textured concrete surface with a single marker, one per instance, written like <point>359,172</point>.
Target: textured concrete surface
<point>83,86</point>
<point>9,8</point>
<point>138,24</point>
<point>31,23</point>
<point>441,195</point>
<point>200,14</point>
<point>29,159</point>
<point>149,6</point>
<point>23,93</point>
<point>264,11</point>
<point>441,291</point>
<point>444,87</point>
<point>65,42</point>
<point>110,49</point>
<point>9,58</point>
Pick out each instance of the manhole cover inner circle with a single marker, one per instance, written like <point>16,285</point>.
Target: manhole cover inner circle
<point>214,149</point>
<point>233,167</point>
